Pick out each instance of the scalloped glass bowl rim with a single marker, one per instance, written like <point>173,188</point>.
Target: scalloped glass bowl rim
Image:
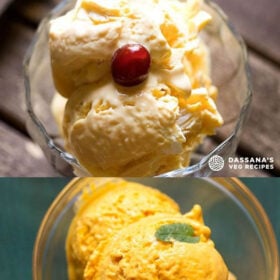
<point>179,172</point>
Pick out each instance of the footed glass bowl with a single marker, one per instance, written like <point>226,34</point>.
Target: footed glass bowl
<point>229,72</point>
<point>240,228</point>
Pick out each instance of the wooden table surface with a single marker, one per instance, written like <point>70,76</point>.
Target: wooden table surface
<point>256,20</point>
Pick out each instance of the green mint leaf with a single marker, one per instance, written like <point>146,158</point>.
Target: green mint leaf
<point>177,231</point>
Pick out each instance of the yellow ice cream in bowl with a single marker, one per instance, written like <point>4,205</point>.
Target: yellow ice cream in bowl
<point>143,234</point>
<point>129,88</point>
<point>114,120</point>
<point>137,252</point>
<point>125,230</point>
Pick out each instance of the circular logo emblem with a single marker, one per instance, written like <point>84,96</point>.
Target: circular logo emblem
<point>216,163</point>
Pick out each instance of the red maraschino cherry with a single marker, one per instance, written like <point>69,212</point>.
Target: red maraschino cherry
<point>130,64</point>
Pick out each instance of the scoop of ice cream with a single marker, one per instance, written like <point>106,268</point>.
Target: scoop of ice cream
<point>136,253</point>
<point>106,210</point>
<point>123,134</point>
<point>83,41</point>
<point>140,130</point>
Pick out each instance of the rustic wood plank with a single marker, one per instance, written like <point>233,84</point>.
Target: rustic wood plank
<point>260,136</point>
<point>262,131</point>
<point>258,22</point>
<point>15,39</point>
<point>19,156</point>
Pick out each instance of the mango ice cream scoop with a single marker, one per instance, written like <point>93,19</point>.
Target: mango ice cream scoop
<point>106,210</point>
<point>125,230</point>
<point>136,253</point>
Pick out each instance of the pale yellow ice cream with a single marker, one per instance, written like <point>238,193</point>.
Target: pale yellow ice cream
<point>104,211</point>
<point>141,130</point>
<point>135,253</point>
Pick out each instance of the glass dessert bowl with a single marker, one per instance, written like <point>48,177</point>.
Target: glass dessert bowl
<point>240,228</point>
<point>228,73</point>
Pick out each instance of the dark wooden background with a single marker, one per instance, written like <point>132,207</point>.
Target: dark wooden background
<point>256,20</point>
